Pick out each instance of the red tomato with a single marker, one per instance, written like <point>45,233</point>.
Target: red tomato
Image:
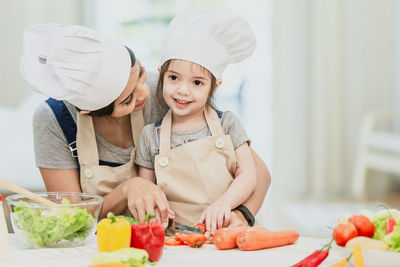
<point>364,226</point>
<point>343,232</point>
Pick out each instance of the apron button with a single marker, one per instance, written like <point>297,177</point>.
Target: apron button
<point>220,143</point>
<point>88,173</point>
<point>163,161</point>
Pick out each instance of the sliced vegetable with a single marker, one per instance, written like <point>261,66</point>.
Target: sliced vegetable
<point>113,233</point>
<point>367,243</point>
<point>201,226</point>
<point>193,240</point>
<point>172,241</point>
<point>225,238</point>
<point>255,238</point>
<point>343,232</point>
<point>150,237</point>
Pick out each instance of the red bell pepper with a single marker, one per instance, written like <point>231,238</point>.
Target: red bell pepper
<point>150,237</point>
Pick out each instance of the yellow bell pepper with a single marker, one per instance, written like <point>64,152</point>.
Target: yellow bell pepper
<point>113,233</point>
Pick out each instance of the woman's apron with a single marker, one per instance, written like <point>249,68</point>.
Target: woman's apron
<point>195,174</point>
<point>101,180</point>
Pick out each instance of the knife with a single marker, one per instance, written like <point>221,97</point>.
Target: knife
<point>182,228</point>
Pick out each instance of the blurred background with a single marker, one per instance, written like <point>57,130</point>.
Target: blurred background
<point>320,96</point>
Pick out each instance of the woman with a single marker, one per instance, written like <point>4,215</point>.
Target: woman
<point>86,143</point>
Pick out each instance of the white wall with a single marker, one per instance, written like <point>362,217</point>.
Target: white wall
<point>17,100</point>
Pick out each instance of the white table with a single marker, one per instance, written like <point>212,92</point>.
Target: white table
<point>20,255</point>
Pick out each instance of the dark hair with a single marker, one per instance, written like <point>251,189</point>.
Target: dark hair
<point>160,84</point>
<point>108,110</point>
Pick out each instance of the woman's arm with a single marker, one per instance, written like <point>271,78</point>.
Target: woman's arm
<point>140,195</point>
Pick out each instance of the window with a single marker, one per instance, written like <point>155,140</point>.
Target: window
<point>247,87</point>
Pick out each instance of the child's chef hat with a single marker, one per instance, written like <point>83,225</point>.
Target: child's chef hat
<point>210,38</point>
<point>74,63</point>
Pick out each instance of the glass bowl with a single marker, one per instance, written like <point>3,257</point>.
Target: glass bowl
<point>69,224</point>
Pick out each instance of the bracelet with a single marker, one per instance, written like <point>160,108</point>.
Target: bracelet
<point>246,214</point>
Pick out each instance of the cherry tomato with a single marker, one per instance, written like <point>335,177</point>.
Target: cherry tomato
<point>343,232</point>
<point>363,225</point>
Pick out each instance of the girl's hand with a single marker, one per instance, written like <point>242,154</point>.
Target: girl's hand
<point>237,219</point>
<point>216,216</point>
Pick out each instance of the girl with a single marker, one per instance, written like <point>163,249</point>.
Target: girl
<point>85,140</point>
<point>195,151</point>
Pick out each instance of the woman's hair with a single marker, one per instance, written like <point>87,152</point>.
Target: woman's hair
<point>108,110</point>
<point>160,83</point>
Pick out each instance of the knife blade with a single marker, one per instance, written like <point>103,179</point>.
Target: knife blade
<point>182,228</point>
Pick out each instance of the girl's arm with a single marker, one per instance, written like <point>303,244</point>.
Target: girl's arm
<point>245,178</point>
<point>146,173</point>
<point>217,214</point>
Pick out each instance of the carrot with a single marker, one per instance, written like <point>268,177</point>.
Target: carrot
<point>260,238</point>
<point>225,238</point>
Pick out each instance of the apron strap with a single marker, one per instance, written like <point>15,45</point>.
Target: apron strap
<point>213,121</point>
<point>165,133</point>
<point>86,141</point>
<point>66,122</point>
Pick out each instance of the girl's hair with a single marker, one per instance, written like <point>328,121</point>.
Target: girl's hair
<point>108,110</point>
<point>160,83</point>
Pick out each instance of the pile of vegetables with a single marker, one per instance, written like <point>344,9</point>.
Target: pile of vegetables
<point>44,228</point>
<point>118,232</point>
<point>378,231</point>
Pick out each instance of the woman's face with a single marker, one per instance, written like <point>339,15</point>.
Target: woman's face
<point>134,96</point>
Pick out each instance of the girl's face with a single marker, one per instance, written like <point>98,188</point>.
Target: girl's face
<point>134,96</point>
<point>186,88</point>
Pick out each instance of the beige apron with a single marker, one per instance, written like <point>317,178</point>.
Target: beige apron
<point>101,180</point>
<point>195,174</point>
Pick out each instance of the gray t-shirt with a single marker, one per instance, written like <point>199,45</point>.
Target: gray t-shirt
<point>51,146</point>
<point>149,145</point>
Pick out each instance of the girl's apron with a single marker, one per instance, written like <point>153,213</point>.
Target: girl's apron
<point>195,174</point>
<point>98,179</point>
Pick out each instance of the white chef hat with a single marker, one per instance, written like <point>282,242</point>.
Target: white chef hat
<point>74,63</point>
<point>210,38</point>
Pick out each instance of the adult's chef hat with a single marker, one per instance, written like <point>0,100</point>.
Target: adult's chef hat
<point>210,38</point>
<point>74,63</point>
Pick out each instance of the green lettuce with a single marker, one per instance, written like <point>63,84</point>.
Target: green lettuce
<point>393,239</point>
<point>380,222</point>
<point>44,228</point>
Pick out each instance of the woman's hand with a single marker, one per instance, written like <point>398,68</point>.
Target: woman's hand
<point>145,197</point>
